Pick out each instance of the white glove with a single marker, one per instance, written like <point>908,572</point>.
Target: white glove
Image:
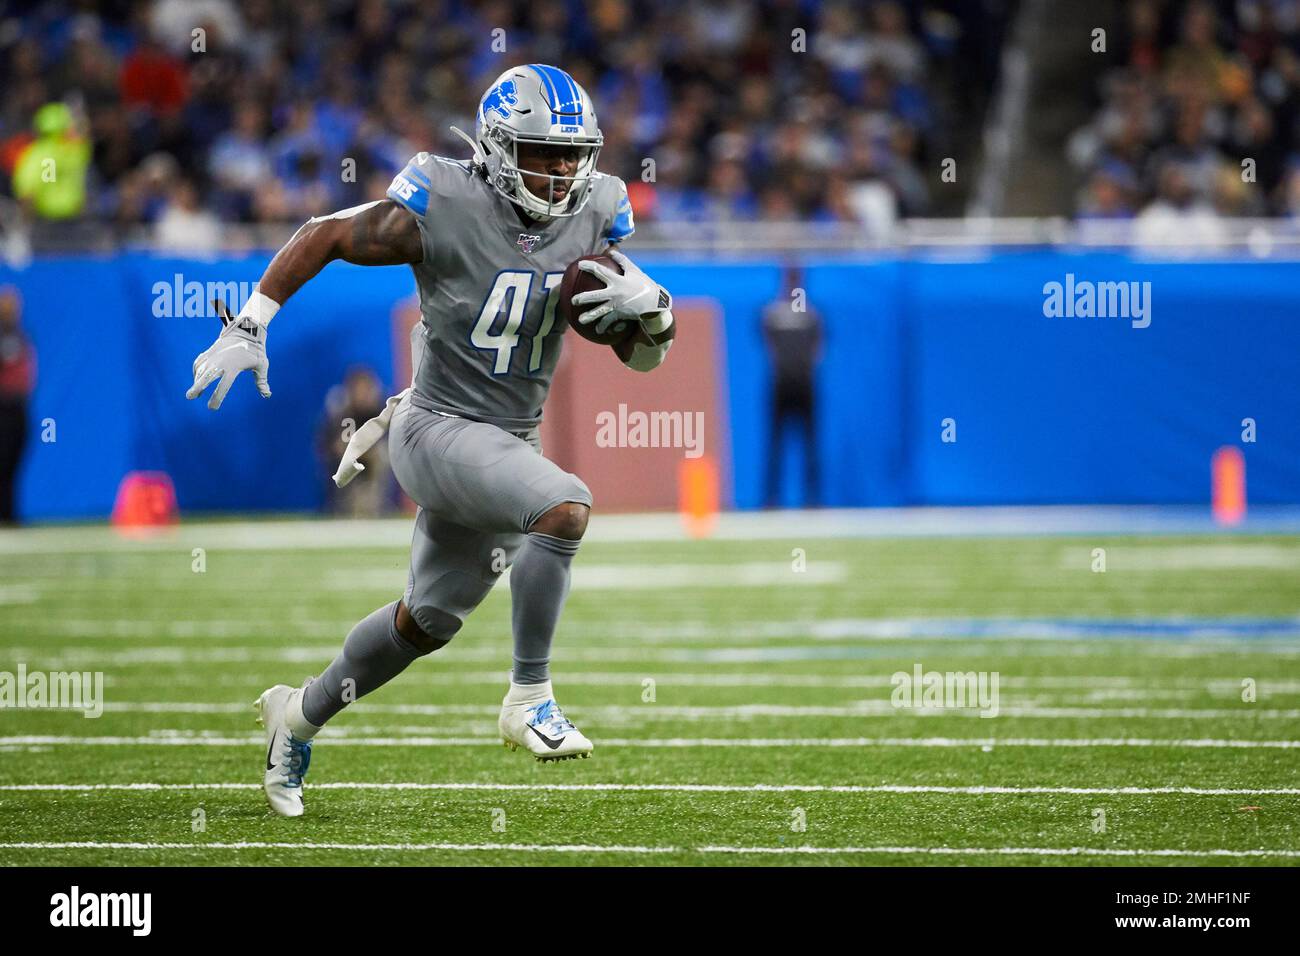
<point>364,439</point>
<point>240,346</point>
<point>625,298</point>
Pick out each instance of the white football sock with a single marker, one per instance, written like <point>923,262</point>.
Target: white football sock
<point>298,725</point>
<point>527,693</point>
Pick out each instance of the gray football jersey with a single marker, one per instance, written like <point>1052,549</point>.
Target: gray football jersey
<point>488,286</point>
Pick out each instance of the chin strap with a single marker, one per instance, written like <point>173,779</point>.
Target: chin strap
<point>480,157</point>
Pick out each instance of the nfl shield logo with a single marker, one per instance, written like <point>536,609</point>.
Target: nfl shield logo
<point>526,242</point>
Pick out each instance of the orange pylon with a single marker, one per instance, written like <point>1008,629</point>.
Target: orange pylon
<point>1228,485</point>
<point>145,499</point>
<point>697,484</point>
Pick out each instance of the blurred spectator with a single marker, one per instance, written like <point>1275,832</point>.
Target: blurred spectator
<point>239,162</point>
<point>1192,150</point>
<point>1233,198</point>
<point>50,173</point>
<point>1196,65</point>
<point>891,44</point>
<point>1109,193</point>
<point>347,407</point>
<point>153,80</point>
<point>875,202</point>
<point>302,164</point>
<point>185,226</point>
<point>17,379</point>
<point>1178,217</point>
<point>792,331</point>
<point>1289,194</point>
<point>729,198</point>
<point>142,194</point>
<point>173,22</point>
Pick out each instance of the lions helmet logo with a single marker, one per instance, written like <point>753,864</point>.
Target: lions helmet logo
<point>500,99</point>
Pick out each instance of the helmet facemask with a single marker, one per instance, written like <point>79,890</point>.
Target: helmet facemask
<point>507,176</point>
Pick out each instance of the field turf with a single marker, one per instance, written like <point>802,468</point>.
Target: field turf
<point>738,692</point>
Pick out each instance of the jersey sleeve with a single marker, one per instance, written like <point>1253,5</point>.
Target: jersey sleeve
<point>621,224</point>
<point>411,187</point>
<point>431,188</point>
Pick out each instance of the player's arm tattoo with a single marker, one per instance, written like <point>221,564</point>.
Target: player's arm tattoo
<point>377,234</point>
<point>383,235</point>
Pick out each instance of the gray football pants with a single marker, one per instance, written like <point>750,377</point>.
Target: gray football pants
<point>479,489</point>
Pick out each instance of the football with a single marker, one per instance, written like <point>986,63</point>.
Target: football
<point>575,281</point>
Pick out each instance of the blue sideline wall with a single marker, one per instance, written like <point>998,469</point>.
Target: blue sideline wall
<point>1046,410</point>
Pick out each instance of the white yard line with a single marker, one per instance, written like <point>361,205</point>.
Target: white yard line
<point>974,791</point>
<point>729,653</point>
<point>96,658</point>
<point>1232,631</point>
<point>1032,521</point>
<point>731,643</point>
<point>995,851</point>
<point>638,577</point>
<point>470,847</point>
<point>186,738</point>
<point>19,594</point>
<point>645,711</point>
<point>1218,556</point>
<point>588,848</point>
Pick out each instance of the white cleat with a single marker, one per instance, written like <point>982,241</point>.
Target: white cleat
<point>540,727</point>
<point>287,757</point>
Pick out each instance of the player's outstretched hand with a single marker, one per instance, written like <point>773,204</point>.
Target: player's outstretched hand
<point>625,298</point>
<point>240,346</point>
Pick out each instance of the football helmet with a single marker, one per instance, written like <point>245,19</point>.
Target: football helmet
<point>536,104</point>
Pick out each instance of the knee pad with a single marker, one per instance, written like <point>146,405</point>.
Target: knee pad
<point>437,628</point>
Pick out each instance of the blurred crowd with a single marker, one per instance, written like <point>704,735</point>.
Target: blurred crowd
<point>1198,122</point>
<point>187,114</point>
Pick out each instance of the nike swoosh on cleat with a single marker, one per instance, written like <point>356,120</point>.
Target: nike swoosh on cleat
<point>269,765</point>
<point>545,739</point>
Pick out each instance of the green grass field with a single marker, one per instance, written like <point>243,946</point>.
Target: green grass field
<point>1122,735</point>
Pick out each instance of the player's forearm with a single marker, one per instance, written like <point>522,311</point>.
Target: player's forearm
<point>312,248</point>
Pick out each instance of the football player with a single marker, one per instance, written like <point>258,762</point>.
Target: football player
<point>489,239</point>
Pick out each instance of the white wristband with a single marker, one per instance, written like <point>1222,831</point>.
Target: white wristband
<point>259,309</point>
